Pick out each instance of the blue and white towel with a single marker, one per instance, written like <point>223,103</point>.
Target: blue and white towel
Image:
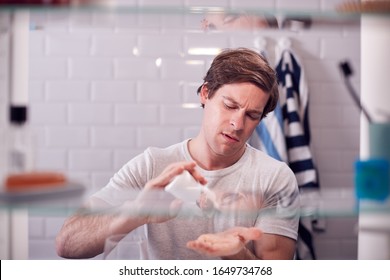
<point>294,99</point>
<point>284,133</point>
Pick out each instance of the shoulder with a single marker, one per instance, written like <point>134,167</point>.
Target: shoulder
<point>172,150</point>
<point>273,169</point>
<point>259,158</point>
<point>159,158</point>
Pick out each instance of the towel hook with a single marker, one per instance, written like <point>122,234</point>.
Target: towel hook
<point>284,43</point>
<point>260,44</point>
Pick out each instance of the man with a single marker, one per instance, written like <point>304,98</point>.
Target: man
<point>254,213</point>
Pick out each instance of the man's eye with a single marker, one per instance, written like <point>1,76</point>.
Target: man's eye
<point>229,106</point>
<point>254,117</point>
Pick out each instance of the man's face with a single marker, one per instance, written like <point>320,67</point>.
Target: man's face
<point>230,117</point>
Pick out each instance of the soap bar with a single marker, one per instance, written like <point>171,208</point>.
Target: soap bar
<point>185,187</point>
<point>34,180</point>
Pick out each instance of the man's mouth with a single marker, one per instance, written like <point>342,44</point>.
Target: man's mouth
<point>230,137</point>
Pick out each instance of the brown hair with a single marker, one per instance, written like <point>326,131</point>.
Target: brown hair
<point>242,65</point>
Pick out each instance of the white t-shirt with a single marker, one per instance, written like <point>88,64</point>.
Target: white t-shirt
<point>268,198</point>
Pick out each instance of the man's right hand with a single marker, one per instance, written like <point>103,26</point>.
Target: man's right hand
<point>156,205</point>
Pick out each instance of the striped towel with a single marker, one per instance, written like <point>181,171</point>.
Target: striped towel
<point>294,104</point>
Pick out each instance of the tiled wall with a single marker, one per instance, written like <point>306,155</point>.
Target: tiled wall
<point>105,86</point>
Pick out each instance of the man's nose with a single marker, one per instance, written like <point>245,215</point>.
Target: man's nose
<point>238,121</point>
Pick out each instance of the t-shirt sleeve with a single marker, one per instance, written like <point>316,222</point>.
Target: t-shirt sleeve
<point>280,214</point>
<point>128,181</point>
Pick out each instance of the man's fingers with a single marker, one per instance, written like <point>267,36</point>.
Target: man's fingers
<point>175,207</point>
<point>248,234</point>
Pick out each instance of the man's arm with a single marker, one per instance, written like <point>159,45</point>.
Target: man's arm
<point>83,234</point>
<point>275,247</point>
<point>230,245</point>
<point>269,247</point>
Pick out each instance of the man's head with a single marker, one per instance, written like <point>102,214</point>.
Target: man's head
<point>242,65</point>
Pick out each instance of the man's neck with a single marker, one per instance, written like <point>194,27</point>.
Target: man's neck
<point>205,158</point>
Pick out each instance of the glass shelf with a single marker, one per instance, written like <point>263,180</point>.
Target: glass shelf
<point>223,18</point>
<point>335,203</point>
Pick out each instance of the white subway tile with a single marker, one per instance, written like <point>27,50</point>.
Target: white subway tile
<point>191,92</point>
<point>64,44</point>
<point>298,4</point>
<point>174,22</point>
<point>193,22</point>
<point>325,115</point>
<point>37,46</point>
<point>67,91</point>
<point>349,247</point>
<point>125,3</point>
<point>36,91</point>
<point>90,160</point>
<point>54,21</point>
<point>3,114</point>
<point>91,68</point>
<point>124,22</point>
<point>168,45</point>
<point>322,70</point>
<point>150,21</point>
<point>80,22</point>
<point>50,159</point>
<point>53,226</point>
<point>3,91</point>
<point>337,138</point>
<point>119,44</point>
<point>90,114</point>
<point>42,250</point>
<point>113,91</point>
<point>340,227</point>
<point>48,68</point>
<point>38,134</point>
<point>205,41</point>
<point>137,68</point>
<point>3,72</point>
<point>245,38</point>
<point>348,158</point>
<point>136,114</point>
<point>42,113</point>
<point>68,137</point>
<point>35,227</point>
<point>113,137</point>
<point>336,180</point>
<point>351,117</point>
<point>331,48</point>
<point>206,3</point>
<point>329,93</point>
<point>255,5</point>
<point>188,116</point>
<point>4,46</point>
<point>158,136</point>
<point>328,249</point>
<point>159,3</point>
<point>159,92</point>
<point>176,69</point>
<point>328,160</point>
<point>191,132</point>
<point>306,47</point>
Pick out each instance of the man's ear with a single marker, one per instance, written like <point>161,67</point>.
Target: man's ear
<point>204,94</point>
